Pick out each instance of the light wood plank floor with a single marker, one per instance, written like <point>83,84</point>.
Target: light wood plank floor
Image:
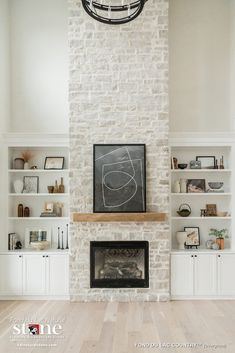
<point>122,327</point>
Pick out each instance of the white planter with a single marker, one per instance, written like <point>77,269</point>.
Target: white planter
<point>183,185</point>
<point>18,186</point>
<point>181,238</point>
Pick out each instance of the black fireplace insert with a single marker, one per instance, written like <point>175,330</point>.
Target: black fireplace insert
<point>119,264</point>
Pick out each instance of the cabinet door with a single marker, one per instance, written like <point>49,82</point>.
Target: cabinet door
<point>11,271</point>
<point>34,275</point>
<point>205,274</point>
<point>58,274</point>
<point>181,275</point>
<point>226,278</point>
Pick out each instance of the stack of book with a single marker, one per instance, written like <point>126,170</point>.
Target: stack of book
<point>48,214</point>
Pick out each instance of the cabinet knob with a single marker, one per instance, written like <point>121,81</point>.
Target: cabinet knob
<point>191,255</point>
<point>218,255</point>
<point>195,255</point>
<point>20,256</point>
<point>43,255</point>
<point>47,255</point>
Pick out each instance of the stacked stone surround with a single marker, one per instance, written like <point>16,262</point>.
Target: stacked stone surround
<point>118,93</point>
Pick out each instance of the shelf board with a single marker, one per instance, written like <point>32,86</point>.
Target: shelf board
<point>38,218</point>
<point>201,218</point>
<point>28,171</point>
<point>38,195</point>
<point>120,217</point>
<point>201,170</point>
<point>202,194</point>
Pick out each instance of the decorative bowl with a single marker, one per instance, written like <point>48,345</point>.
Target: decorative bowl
<point>215,185</point>
<point>182,165</point>
<point>222,214</point>
<point>40,245</point>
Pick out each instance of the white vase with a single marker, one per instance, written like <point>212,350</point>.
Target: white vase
<point>18,186</point>
<point>26,165</point>
<point>181,238</point>
<point>176,187</point>
<point>183,186</point>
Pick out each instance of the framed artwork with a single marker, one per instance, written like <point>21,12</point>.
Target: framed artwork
<point>196,185</point>
<point>119,180</point>
<point>35,234</point>
<point>193,237</point>
<point>211,210</point>
<point>54,163</point>
<point>207,162</point>
<point>31,185</point>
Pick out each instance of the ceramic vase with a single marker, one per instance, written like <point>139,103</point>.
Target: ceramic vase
<point>176,187</point>
<point>18,186</point>
<point>181,238</point>
<point>183,186</point>
<point>26,165</point>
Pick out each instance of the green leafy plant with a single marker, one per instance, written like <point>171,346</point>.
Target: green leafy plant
<point>219,234</point>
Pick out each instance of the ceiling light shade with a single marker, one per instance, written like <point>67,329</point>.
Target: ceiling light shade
<point>113,12</point>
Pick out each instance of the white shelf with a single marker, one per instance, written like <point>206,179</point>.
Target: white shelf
<point>205,194</point>
<point>39,195</point>
<point>201,170</point>
<point>37,218</point>
<point>200,218</point>
<point>36,171</point>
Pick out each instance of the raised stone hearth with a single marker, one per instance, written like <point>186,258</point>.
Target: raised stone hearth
<point>118,93</point>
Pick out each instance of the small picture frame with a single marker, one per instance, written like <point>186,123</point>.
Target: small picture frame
<point>207,162</point>
<point>31,185</point>
<point>193,237</point>
<point>196,185</point>
<point>211,210</point>
<point>54,163</point>
<point>36,234</point>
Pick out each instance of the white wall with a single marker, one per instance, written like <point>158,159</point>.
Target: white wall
<point>39,66</point>
<point>232,63</point>
<point>200,65</point>
<point>4,65</point>
<point>4,101</point>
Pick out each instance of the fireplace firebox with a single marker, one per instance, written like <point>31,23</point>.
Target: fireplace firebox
<point>119,264</point>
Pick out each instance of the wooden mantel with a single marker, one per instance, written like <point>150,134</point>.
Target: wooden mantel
<point>120,217</point>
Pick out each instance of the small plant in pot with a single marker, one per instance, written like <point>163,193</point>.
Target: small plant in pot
<point>220,235</point>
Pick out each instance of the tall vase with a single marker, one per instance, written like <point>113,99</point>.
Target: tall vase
<point>18,186</point>
<point>181,238</point>
<point>183,186</point>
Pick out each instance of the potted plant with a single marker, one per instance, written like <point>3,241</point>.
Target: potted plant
<point>220,235</point>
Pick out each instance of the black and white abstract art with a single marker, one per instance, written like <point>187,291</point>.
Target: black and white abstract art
<point>119,178</point>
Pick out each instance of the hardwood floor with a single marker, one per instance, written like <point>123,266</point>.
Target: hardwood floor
<point>120,327</point>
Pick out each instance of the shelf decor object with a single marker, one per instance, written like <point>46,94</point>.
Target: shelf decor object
<point>103,11</point>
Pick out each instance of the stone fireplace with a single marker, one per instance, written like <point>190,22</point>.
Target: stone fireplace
<point>118,93</point>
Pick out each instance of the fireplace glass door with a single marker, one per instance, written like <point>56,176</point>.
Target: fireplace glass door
<point>119,264</point>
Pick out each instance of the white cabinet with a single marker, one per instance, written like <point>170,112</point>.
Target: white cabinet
<point>205,274</point>
<point>202,275</point>
<point>34,275</point>
<point>226,278</point>
<point>11,275</point>
<point>182,275</point>
<point>57,269</point>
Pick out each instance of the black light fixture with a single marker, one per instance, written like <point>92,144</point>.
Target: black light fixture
<point>103,11</point>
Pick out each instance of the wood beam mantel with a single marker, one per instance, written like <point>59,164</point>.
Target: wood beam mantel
<point>120,217</point>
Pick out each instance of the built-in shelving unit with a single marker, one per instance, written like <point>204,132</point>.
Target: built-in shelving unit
<point>51,145</point>
<point>185,150</point>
